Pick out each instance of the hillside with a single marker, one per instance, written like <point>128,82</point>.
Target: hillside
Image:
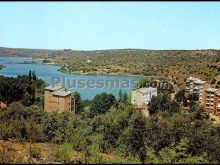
<point>175,64</point>
<point>10,52</point>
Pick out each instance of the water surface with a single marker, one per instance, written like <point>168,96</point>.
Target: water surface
<point>87,85</point>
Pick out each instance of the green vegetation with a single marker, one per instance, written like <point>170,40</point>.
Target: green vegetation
<point>102,103</point>
<point>107,127</point>
<point>123,134</point>
<point>176,64</point>
<point>27,89</point>
<point>62,153</point>
<point>35,152</point>
<point>78,103</point>
<point>9,52</point>
<point>163,103</point>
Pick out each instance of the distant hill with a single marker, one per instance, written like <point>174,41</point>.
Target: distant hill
<point>175,64</point>
<point>10,52</point>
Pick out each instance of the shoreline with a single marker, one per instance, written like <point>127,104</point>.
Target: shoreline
<point>87,74</point>
<point>102,74</point>
<point>92,74</point>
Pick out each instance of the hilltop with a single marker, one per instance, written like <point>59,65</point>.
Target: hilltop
<point>11,52</point>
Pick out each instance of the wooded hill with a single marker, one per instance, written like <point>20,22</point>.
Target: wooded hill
<point>176,64</point>
<point>11,52</point>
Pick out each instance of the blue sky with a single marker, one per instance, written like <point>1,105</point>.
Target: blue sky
<point>110,25</point>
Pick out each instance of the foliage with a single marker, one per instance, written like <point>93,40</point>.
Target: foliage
<point>172,138</point>
<point>102,103</point>
<point>62,153</point>
<point>180,96</point>
<point>23,88</point>
<point>35,152</point>
<point>163,103</point>
<point>78,103</point>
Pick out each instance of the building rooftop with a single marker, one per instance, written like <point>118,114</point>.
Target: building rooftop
<point>62,93</point>
<point>200,82</point>
<point>192,79</point>
<point>146,90</point>
<point>53,87</point>
<point>212,90</point>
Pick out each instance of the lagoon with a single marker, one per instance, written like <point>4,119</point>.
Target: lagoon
<point>87,85</point>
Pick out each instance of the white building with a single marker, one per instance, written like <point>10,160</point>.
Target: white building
<point>142,96</point>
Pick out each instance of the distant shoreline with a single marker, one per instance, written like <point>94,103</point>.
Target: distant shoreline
<point>76,73</point>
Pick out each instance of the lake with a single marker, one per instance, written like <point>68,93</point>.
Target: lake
<point>87,85</point>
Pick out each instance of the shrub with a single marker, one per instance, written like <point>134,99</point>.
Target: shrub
<point>35,152</point>
<point>62,154</point>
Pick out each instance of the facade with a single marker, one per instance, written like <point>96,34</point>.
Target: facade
<point>142,96</point>
<point>217,104</point>
<point>2,105</point>
<point>199,90</point>
<point>211,100</point>
<point>190,84</point>
<point>197,87</point>
<point>57,99</point>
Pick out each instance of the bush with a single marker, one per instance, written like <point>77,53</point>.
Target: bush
<point>35,152</point>
<point>62,154</point>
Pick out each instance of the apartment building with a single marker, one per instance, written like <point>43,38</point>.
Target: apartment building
<point>217,104</point>
<point>211,103</point>
<point>57,99</point>
<point>142,96</point>
<point>190,84</point>
<point>197,87</point>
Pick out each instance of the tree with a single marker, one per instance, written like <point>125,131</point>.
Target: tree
<point>133,138</point>
<point>125,97</point>
<point>78,104</point>
<point>102,103</point>
<point>120,95</point>
<point>180,96</point>
<point>163,103</point>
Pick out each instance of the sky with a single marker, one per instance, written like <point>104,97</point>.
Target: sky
<point>110,25</point>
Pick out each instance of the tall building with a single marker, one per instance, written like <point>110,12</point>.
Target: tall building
<point>190,84</point>
<point>217,104</point>
<point>142,96</point>
<point>57,99</point>
<point>211,100</point>
<point>197,87</point>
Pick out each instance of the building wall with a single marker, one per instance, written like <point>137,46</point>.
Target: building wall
<point>58,104</point>
<point>137,98</point>
<point>209,102</point>
<point>216,103</point>
<point>202,97</point>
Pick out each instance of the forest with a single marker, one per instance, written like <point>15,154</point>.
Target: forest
<point>27,89</point>
<point>110,130</point>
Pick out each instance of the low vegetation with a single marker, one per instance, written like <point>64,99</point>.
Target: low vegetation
<point>120,134</point>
